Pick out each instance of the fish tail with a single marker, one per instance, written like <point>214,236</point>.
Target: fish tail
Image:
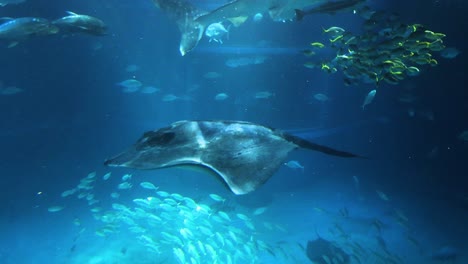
<point>320,148</point>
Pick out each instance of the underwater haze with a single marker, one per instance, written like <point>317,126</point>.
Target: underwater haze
<point>82,81</point>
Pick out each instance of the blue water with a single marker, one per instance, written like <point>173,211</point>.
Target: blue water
<point>70,116</point>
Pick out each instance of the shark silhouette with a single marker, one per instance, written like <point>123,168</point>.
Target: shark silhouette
<point>193,21</point>
<point>243,154</point>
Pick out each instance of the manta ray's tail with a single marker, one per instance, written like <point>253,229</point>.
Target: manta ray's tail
<point>324,149</point>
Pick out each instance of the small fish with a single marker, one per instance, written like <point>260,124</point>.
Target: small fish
<point>321,97</point>
<point>334,30</point>
<point>221,97</point>
<point>294,164</point>
<point>77,222</point>
<point>69,192</point>
<point>115,195</point>
<point>163,194</point>
<point>93,201</point>
<point>310,65</point>
<point>106,176</point>
<point>249,225</point>
<point>369,98</point>
<point>263,95</point>
<point>124,186</point>
<point>317,45</point>
<point>126,177</point>
<point>260,210</point>
<point>148,185</point>
<point>130,85</point>
<point>91,175</point>
<point>141,202</point>
<point>82,195</point>
<point>308,52</point>
<point>149,90</point>
<point>449,53</point>
<point>11,90</point>
<point>169,98</point>
<point>54,209</point>
<point>96,209</point>
<point>382,195</point>
<point>412,71</point>
<point>320,210</point>
<point>89,196</point>
<point>242,217</point>
<point>177,196</point>
<point>224,215</point>
<point>217,198</point>
<point>434,35</point>
<point>336,39</point>
<point>180,256</point>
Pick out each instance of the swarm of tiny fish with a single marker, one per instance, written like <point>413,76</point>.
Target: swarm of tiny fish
<point>388,51</point>
<point>174,228</point>
<point>178,228</point>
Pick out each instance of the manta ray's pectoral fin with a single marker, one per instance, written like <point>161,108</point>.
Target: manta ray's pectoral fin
<point>192,32</point>
<point>185,14</point>
<point>245,166</point>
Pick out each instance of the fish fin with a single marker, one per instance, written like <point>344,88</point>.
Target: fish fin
<point>245,167</point>
<point>71,13</point>
<point>192,32</point>
<point>244,178</point>
<point>237,21</point>
<point>187,18</point>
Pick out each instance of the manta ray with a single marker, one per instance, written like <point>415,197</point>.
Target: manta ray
<point>243,154</point>
<point>193,21</point>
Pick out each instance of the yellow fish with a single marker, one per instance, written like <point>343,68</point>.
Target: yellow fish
<point>317,45</point>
